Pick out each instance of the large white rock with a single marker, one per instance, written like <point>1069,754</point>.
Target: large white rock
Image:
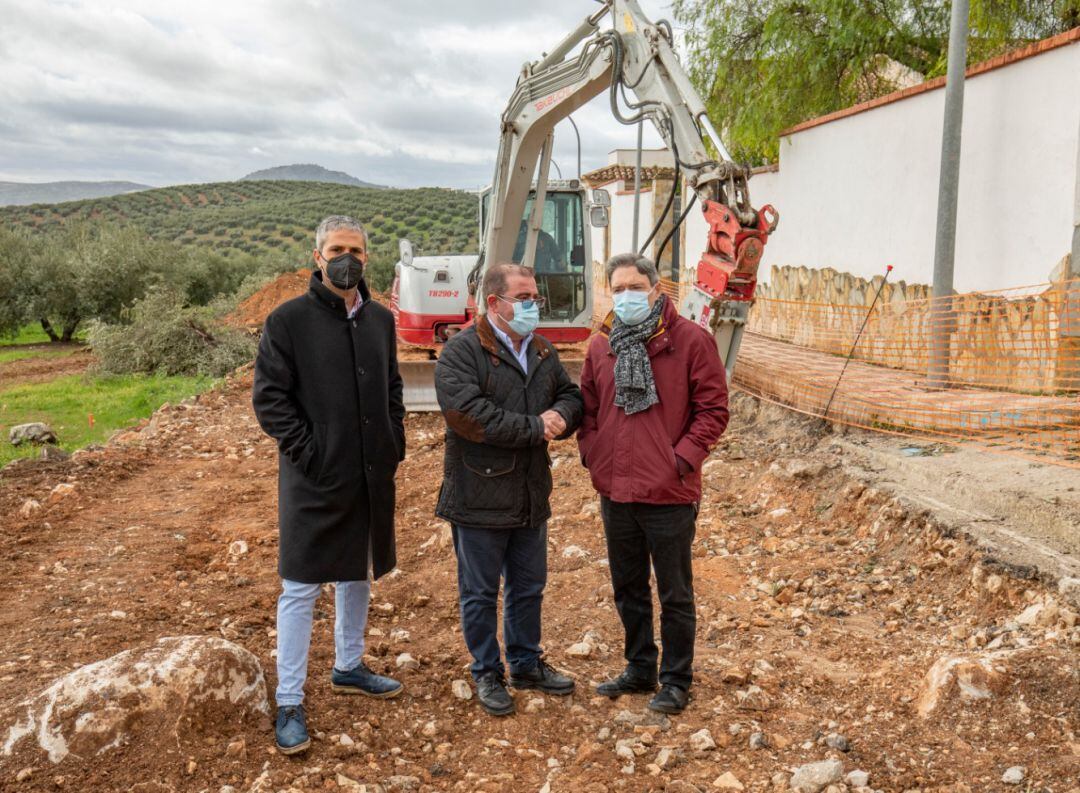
<point>461,689</point>
<point>969,678</point>
<point>702,741</point>
<point>140,694</point>
<point>812,777</point>
<point>579,650</point>
<point>1042,613</point>
<point>1014,775</point>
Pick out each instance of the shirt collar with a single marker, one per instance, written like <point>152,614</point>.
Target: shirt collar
<point>351,312</point>
<point>505,337</point>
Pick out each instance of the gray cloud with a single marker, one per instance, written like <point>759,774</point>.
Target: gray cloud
<point>403,93</point>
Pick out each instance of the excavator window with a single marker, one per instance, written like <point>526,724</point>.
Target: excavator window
<point>560,255</point>
<point>560,252</point>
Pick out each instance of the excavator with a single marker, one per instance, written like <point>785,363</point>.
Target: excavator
<point>526,218</point>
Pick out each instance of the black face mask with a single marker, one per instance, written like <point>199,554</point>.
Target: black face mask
<point>344,271</point>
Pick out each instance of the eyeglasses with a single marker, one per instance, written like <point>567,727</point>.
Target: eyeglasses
<point>526,303</point>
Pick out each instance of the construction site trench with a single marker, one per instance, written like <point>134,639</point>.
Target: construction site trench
<point>836,621</point>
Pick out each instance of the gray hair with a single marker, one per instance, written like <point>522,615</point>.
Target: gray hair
<point>334,223</point>
<point>643,266</point>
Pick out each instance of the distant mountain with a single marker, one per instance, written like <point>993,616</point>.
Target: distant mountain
<point>306,173</point>
<point>23,193</point>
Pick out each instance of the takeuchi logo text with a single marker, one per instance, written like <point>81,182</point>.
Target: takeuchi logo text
<point>551,99</point>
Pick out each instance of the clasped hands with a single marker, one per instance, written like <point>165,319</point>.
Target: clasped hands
<point>554,424</point>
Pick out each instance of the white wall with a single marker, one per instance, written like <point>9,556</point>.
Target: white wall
<point>860,192</point>
<point>622,221</point>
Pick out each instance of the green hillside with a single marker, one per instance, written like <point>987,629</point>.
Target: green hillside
<point>259,217</point>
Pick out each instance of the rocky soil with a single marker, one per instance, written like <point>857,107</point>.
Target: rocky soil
<point>846,642</point>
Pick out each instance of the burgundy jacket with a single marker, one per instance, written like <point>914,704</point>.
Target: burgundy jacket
<point>632,458</point>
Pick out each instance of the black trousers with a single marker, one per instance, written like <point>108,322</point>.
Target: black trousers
<point>660,534</point>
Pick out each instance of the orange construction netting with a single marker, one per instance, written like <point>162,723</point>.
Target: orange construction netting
<point>1005,366</point>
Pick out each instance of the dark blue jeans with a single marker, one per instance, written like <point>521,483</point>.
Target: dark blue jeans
<point>519,556</point>
<point>660,534</point>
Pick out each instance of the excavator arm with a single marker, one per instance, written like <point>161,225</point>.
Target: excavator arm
<point>632,55</point>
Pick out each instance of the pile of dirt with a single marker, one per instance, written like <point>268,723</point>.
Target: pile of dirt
<point>823,604</point>
<point>253,311</point>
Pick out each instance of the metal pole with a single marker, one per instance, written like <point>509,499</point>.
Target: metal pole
<point>948,184</point>
<point>578,134</point>
<point>676,210</point>
<point>637,185</point>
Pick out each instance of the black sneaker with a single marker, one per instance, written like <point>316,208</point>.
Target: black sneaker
<point>493,696</point>
<point>670,699</point>
<point>626,683</point>
<point>544,678</point>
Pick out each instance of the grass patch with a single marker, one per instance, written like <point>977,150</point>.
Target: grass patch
<point>33,334</point>
<point>66,403</point>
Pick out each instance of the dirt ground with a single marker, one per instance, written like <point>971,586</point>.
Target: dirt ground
<point>829,596</point>
<point>41,369</point>
<point>1027,511</point>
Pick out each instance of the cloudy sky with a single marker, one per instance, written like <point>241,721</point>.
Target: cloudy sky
<point>397,92</point>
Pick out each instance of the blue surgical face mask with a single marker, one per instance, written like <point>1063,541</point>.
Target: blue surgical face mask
<point>525,319</point>
<point>632,307</point>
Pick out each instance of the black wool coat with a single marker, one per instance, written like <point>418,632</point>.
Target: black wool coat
<point>327,389</point>
<point>496,467</point>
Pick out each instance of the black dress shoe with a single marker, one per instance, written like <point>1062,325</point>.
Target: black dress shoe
<point>493,696</point>
<point>670,699</point>
<point>626,683</point>
<point>544,678</point>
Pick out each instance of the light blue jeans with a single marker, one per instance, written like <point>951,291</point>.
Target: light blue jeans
<point>296,606</point>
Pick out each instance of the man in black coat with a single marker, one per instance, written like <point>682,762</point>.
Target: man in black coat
<point>504,395</point>
<point>327,389</point>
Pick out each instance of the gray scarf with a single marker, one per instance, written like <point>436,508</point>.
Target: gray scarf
<point>635,389</point>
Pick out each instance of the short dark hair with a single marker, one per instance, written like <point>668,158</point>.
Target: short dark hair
<point>640,263</point>
<point>496,275</point>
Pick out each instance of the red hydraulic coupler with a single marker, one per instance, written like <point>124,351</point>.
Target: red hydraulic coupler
<point>728,267</point>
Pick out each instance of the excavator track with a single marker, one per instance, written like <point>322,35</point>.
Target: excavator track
<point>419,382</point>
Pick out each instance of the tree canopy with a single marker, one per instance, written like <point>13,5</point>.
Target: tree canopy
<point>766,65</point>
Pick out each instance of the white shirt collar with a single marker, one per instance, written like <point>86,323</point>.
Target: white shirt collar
<point>523,356</point>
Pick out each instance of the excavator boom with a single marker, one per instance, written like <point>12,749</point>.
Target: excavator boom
<point>637,56</point>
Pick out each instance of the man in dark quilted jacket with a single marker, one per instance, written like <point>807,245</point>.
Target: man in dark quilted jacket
<point>504,395</point>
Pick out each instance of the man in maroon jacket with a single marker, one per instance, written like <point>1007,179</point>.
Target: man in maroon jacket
<point>655,404</point>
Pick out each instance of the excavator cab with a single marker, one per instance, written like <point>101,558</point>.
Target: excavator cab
<point>561,258</point>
